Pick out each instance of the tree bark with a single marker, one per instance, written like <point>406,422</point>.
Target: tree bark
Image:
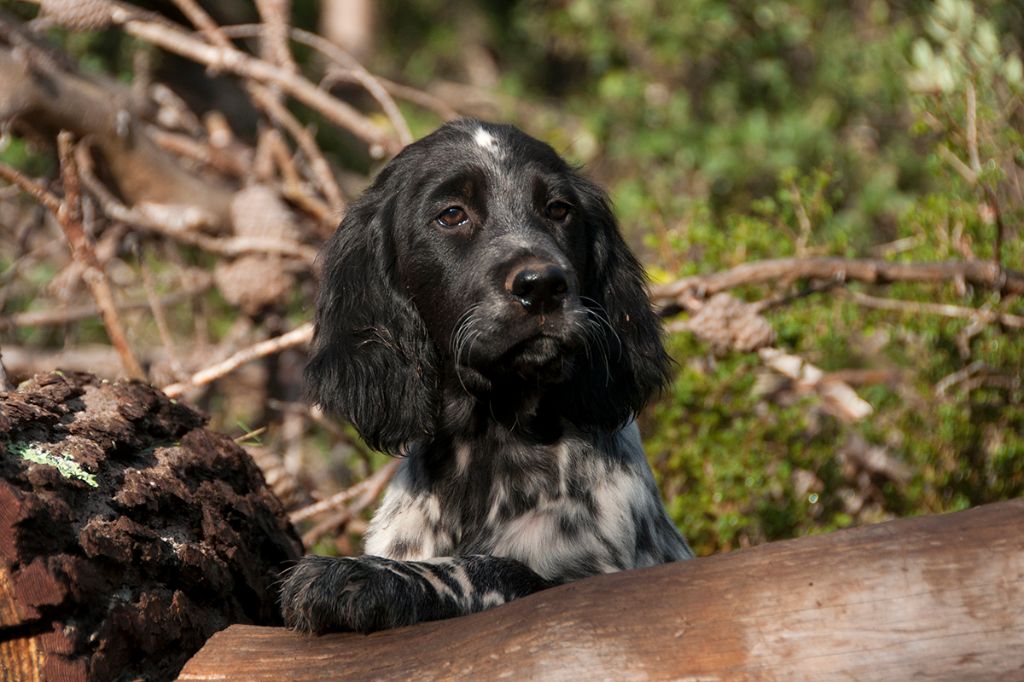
<point>933,598</point>
<point>128,533</point>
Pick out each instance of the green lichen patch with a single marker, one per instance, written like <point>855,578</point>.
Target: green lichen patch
<point>67,467</point>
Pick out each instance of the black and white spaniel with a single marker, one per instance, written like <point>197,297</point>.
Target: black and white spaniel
<point>481,316</point>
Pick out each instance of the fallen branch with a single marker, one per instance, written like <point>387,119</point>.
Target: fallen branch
<point>838,397</point>
<point>296,337</point>
<point>160,223</point>
<point>985,274</point>
<point>156,30</point>
<point>49,318</point>
<point>933,597</point>
<point>99,359</point>
<point>38,90</point>
<point>943,309</point>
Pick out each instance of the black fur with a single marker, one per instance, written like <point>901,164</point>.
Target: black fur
<point>502,354</point>
<point>383,593</point>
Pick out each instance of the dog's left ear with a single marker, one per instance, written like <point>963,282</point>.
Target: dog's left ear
<point>609,394</point>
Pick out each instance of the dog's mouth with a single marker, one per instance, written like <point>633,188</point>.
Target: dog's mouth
<point>545,356</point>
<point>541,356</point>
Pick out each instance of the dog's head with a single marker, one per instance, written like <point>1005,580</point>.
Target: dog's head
<point>480,264</point>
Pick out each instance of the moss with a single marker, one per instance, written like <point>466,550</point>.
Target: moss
<point>65,466</point>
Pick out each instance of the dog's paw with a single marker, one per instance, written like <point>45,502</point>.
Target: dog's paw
<point>324,594</point>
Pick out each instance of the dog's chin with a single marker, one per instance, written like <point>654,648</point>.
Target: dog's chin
<point>539,360</point>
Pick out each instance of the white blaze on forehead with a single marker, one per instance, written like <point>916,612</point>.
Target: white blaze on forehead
<point>486,141</point>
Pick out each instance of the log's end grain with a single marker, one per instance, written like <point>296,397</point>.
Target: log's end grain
<point>933,598</point>
<point>128,533</point>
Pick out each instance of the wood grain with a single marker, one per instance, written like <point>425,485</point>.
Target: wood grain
<point>931,598</point>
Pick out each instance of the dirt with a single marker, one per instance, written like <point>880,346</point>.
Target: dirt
<point>128,533</point>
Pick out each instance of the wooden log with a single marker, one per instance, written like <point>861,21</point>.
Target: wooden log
<point>934,598</point>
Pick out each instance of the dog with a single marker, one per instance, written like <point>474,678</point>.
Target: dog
<point>480,315</point>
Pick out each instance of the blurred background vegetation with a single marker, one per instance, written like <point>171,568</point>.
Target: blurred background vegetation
<point>726,132</point>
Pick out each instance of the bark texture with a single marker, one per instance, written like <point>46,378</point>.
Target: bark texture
<point>128,533</point>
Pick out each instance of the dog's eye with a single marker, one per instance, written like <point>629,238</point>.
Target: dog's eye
<point>558,211</point>
<point>453,216</point>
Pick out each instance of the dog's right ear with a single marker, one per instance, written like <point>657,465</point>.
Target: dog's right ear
<point>371,361</point>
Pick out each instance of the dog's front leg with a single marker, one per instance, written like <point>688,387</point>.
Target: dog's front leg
<point>369,593</point>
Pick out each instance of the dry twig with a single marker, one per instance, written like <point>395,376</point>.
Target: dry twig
<point>46,318</point>
<point>375,482</point>
<point>225,246</point>
<point>965,171</point>
<point>419,98</point>
<point>292,187</point>
<point>972,128</point>
<point>307,143</point>
<point>164,34</point>
<point>70,218</point>
<point>267,99</point>
<point>943,309</point>
<point>971,171</point>
<point>163,328</point>
<point>348,69</point>
<point>959,376</point>
<point>236,162</point>
<point>296,337</point>
<point>984,274</point>
<point>803,219</point>
<point>838,398</point>
<point>68,214</point>
<point>367,491</point>
<point>31,187</point>
<point>274,14</point>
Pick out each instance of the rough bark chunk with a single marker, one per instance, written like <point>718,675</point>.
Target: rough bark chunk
<point>128,533</point>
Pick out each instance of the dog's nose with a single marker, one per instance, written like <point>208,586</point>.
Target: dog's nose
<point>538,288</point>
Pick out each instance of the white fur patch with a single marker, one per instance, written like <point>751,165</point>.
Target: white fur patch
<point>462,457</point>
<point>536,539</point>
<point>405,517</point>
<point>486,141</point>
<point>492,599</point>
